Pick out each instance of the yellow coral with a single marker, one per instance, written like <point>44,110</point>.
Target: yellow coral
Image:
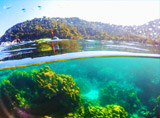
<point>47,117</point>
<point>116,111</point>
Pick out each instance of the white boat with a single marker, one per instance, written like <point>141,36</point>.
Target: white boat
<point>55,38</point>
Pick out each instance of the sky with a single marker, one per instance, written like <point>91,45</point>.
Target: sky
<point>118,12</point>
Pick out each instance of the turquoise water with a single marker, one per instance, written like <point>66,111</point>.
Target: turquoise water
<point>80,79</point>
<point>106,87</point>
<point>40,49</point>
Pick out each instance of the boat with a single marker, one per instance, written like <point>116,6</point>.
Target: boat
<point>55,38</point>
<point>43,40</point>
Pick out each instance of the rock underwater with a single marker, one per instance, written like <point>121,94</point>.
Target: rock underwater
<point>41,92</point>
<point>46,94</point>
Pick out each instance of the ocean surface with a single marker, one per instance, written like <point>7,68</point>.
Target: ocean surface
<point>80,79</point>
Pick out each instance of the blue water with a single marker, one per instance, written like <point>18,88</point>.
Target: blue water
<point>131,82</point>
<point>81,84</point>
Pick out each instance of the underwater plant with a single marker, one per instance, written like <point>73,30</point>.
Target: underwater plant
<point>115,111</point>
<point>60,88</point>
<point>41,93</point>
<point>109,111</point>
<point>4,74</point>
<point>45,93</point>
<point>157,107</point>
<point>123,95</point>
<point>95,112</point>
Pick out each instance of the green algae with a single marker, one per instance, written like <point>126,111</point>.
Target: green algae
<point>118,81</point>
<point>35,91</point>
<point>38,90</point>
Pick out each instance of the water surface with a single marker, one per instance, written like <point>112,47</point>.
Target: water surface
<point>81,82</point>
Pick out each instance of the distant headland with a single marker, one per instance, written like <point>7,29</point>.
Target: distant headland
<point>75,28</point>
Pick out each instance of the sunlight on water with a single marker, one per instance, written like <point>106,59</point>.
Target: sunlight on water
<point>93,94</point>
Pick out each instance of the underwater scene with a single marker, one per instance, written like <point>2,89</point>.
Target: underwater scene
<point>79,59</point>
<point>102,87</point>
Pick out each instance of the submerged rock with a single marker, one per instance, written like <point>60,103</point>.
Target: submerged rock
<point>41,93</point>
<point>109,111</point>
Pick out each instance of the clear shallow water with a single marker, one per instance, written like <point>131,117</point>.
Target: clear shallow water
<point>129,82</point>
<point>70,56</point>
<point>115,84</point>
<point>62,46</point>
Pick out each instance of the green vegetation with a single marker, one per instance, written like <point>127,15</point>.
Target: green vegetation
<point>157,107</point>
<point>41,92</point>
<point>115,111</point>
<point>110,111</point>
<point>48,94</point>
<point>123,89</point>
<point>74,28</point>
<point>40,28</point>
<point>125,96</point>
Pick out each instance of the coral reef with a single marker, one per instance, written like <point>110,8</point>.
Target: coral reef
<point>95,112</point>
<point>116,111</point>
<point>57,84</point>
<point>114,93</point>
<point>125,96</point>
<point>109,111</point>
<point>157,107</point>
<point>60,88</point>
<point>42,92</point>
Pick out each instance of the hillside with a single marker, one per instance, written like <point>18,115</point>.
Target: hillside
<point>150,30</point>
<point>75,28</point>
